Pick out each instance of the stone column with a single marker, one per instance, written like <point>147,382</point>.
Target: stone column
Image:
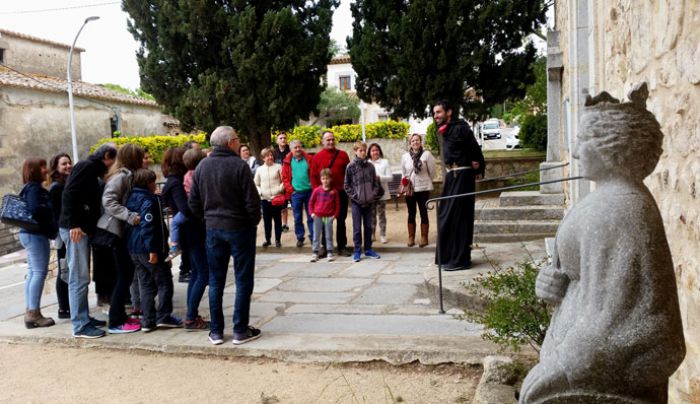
<point>555,67</point>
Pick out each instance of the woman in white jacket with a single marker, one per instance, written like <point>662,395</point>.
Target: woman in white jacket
<point>268,179</point>
<point>418,166</point>
<point>381,167</point>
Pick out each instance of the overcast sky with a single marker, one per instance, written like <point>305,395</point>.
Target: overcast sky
<point>110,49</point>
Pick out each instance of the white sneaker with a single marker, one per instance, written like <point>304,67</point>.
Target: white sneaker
<point>383,239</point>
<point>314,258</point>
<point>331,257</point>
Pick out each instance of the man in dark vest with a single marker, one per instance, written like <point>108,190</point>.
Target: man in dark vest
<point>464,164</point>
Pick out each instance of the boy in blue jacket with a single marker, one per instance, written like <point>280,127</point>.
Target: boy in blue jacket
<point>147,243</point>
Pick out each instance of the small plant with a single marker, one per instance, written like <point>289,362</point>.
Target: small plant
<point>513,315</point>
<point>525,179</point>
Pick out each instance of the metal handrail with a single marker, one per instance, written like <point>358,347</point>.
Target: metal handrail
<point>437,238</point>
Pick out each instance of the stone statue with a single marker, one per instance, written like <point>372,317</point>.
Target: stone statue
<point>616,334</point>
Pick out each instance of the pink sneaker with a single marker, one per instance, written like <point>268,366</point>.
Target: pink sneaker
<point>133,321</point>
<point>125,328</point>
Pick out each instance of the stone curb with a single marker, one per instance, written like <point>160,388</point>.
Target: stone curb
<point>331,349</point>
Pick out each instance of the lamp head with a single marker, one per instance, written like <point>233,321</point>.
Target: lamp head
<point>93,18</point>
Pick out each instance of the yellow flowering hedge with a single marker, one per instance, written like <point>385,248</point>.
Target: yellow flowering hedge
<point>310,136</point>
<point>156,144</point>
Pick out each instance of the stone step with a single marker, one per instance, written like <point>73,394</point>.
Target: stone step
<point>525,198</point>
<point>541,212</point>
<point>516,226</point>
<point>509,238</point>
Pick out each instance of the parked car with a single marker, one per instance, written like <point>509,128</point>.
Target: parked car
<point>491,129</point>
<point>513,141</point>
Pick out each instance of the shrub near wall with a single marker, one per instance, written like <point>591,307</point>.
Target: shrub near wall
<point>156,144</point>
<point>310,136</point>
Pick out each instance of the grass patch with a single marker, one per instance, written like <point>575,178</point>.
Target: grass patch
<point>516,153</point>
<point>525,179</point>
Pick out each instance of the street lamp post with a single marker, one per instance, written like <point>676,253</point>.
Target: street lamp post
<point>71,107</point>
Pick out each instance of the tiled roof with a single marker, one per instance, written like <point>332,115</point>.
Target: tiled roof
<point>50,84</point>
<point>340,59</point>
<point>35,39</point>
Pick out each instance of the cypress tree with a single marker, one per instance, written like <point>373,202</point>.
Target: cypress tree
<point>254,65</point>
<point>409,53</point>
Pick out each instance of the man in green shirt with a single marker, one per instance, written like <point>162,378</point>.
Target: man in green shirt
<point>295,175</point>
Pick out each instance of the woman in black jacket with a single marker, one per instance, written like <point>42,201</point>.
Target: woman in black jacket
<point>193,235</point>
<point>34,172</point>
<point>59,168</point>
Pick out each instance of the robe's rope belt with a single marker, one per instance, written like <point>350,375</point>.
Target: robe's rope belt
<point>457,168</point>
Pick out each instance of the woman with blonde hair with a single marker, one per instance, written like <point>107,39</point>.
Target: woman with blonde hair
<point>113,221</point>
<point>268,180</point>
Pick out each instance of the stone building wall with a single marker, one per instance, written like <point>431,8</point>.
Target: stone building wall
<point>657,41</point>
<point>38,56</point>
<point>37,123</point>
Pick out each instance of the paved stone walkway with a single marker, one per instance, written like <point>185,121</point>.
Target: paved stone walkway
<point>337,311</point>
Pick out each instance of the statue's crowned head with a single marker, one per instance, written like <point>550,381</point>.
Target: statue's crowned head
<point>626,136</point>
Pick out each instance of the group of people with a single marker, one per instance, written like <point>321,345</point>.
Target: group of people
<point>109,204</point>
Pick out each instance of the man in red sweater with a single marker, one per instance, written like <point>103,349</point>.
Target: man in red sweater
<point>337,161</point>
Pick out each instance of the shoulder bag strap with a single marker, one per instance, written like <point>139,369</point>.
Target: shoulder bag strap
<point>337,152</point>
<point>24,188</point>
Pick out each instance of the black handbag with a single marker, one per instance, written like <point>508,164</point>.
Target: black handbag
<point>15,212</point>
<point>103,238</point>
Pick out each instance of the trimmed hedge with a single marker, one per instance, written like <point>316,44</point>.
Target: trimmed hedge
<point>310,136</point>
<point>156,144</point>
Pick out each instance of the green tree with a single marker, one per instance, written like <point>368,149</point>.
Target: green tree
<point>533,132</point>
<point>535,100</point>
<point>407,54</point>
<point>254,65</point>
<point>337,106</point>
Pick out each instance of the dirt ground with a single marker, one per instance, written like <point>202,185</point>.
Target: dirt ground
<point>45,374</point>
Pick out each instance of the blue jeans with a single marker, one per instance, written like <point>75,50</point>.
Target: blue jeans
<point>300,203</point>
<point>239,244</point>
<point>37,247</point>
<point>361,220</point>
<point>175,225</point>
<point>319,229</point>
<point>155,279</point>
<point>194,242</point>
<point>77,258</point>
